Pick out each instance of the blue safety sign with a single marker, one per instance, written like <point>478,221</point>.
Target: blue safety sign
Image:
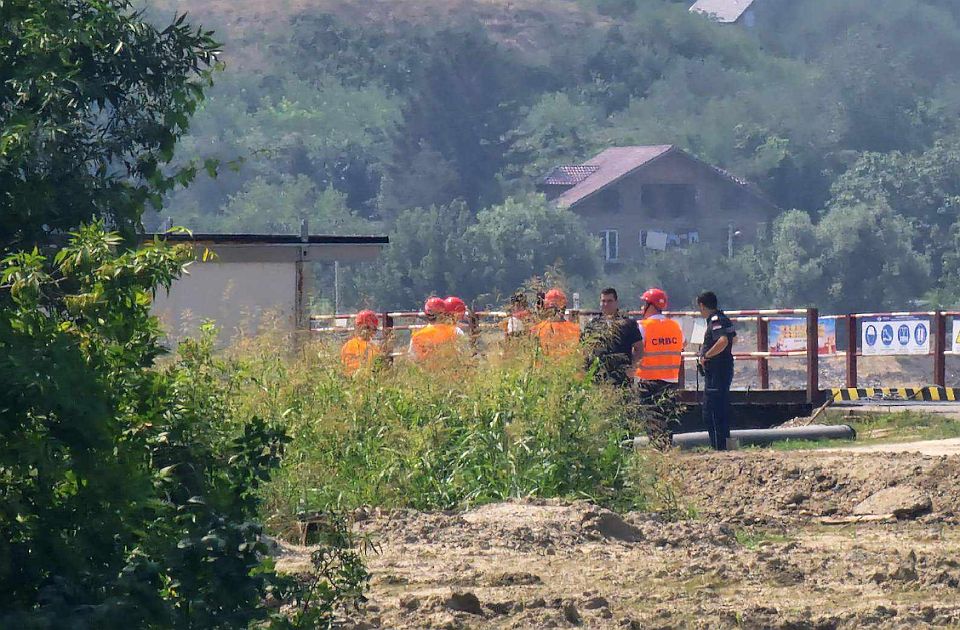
<point>903,334</point>
<point>920,334</point>
<point>895,335</point>
<point>886,335</point>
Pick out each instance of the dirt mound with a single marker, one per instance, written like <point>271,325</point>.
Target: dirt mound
<point>769,487</point>
<point>537,526</point>
<point>759,554</point>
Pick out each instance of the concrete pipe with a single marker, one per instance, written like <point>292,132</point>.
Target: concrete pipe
<point>758,437</point>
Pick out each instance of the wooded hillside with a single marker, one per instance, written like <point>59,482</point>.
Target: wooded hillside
<point>354,114</point>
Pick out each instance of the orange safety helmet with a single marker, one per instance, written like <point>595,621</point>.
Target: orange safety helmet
<point>367,319</point>
<point>655,297</point>
<point>455,306</point>
<point>555,298</point>
<point>434,306</point>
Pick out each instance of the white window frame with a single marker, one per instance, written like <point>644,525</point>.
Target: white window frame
<point>606,240</point>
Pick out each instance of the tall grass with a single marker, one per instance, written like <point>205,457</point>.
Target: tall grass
<point>475,430</point>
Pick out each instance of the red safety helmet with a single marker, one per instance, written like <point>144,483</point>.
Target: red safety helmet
<point>655,297</point>
<point>455,306</point>
<point>555,298</point>
<point>367,319</point>
<point>434,306</point>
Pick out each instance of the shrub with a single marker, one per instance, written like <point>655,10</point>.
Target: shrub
<point>486,429</point>
<point>128,494</point>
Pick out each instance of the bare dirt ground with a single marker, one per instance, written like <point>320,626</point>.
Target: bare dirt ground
<point>781,540</point>
<point>929,447</point>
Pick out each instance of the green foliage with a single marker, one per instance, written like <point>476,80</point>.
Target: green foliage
<point>523,237</point>
<point>338,576</point>
<point>554,131</point>
<point>92,102</point>
<point>826,264</point>
<point>425,256</point>
<point>483,430</point>
<point>330,133</point>
<point>483,258</point>
<point>688,272</point>
<point>406,112</point>
<point>129,493</point>
<point>279,208</point>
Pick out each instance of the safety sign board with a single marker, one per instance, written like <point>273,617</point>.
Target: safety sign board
<point>790,335</point>
<point>956,334</point>
<point>894,335</point>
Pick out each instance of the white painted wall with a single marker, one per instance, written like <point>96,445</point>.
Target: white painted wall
<point>236,295</point>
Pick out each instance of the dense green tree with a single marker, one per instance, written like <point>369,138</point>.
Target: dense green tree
<point>824,105</point>
<point>128,492</point>
<point>427,179</point>
<point>685,273</point>
<point>279,208</point>
<point>524,237</point>
<point>923,187</point>
<point>92,102</point>
<point>331,133</point>
<point>856,257</point>
<point>483,258</point>
<point>555,130</point>
<point>426,256</point>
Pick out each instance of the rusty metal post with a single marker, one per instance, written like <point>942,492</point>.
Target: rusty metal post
<point>763,345</point>
<point>852,340</point>
<point>813,355</point>
<point>939,349</point>
<point>474,323</point>
<point>388,339</point>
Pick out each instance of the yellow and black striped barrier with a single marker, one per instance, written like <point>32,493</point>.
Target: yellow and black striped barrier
<point>917,394</point>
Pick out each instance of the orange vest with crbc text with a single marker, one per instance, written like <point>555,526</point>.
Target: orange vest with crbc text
<point>433,340</point>
<point>557,339</point>
<point>357,353</point>
<point>662,350</point>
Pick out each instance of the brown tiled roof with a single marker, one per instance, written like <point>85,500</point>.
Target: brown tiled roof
<point>615,163</point>
<point>611,165</point>
<point>726,11</point>
<point>570,175</point>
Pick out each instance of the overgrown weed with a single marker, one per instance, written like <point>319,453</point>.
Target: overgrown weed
<point>474,430</point>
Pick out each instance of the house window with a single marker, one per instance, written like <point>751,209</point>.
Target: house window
<point>610,245</point>
<point>609,200</point>
<point>669,200</point>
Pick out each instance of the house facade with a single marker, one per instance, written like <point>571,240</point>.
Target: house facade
<point>652,198</point>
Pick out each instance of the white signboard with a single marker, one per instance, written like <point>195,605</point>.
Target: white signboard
<point>894,335</point>
<point>956,334</point>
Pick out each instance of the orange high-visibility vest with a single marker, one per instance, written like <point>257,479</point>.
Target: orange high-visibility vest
<point>433,339</point>
<point>557,339</point>
<point>357,353</point>
<point>662,351</point>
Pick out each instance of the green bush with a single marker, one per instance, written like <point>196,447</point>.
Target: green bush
<point>485,429</point>
<point>128,494</point>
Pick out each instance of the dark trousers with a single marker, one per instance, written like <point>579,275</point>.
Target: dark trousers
<point>658,406</point>
<point>716,406</point>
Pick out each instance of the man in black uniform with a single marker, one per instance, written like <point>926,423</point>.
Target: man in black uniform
<point>716,363</point>
<point>611,338</point>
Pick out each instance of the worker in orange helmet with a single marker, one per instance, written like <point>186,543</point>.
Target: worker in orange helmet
<point>557,337</point>
<point>659,365</point>
<point>360,352</point>
<point>441,336</point>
